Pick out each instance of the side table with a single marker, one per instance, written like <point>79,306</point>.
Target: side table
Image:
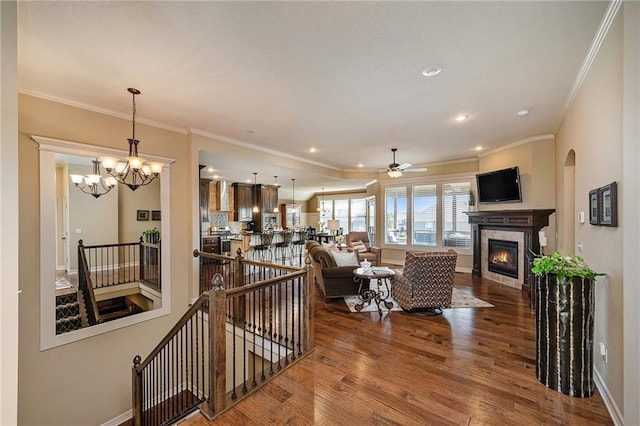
<point>380,294</point>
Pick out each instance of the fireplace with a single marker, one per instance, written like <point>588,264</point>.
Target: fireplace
<point>502,257</point>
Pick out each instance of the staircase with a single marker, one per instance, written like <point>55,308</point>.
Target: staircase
<point>68,317</point>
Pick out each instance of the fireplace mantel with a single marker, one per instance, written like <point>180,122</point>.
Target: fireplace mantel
<point>528,222</point>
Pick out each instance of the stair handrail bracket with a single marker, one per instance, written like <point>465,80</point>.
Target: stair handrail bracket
<point>254,321</point>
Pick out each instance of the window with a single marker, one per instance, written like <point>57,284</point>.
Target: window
<point>341,213</point>
<point>395,215</point>
<point>358,215</point>
<point>351,212</point>
<point>456,227</point>
<point>428,215</point>
<point>425,222</point>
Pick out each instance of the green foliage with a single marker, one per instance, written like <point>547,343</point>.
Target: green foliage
<point>472,198</point>
<point>153,231</point>
<point>563,267</point>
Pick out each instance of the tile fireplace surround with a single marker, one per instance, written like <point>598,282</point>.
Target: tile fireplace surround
<point>519,225</point>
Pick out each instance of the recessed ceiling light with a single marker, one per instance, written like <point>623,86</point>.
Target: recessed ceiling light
<point>210,169</point>
<point>312,150</point>
<point>432,70</point>
<point>361,165</point>
<point>478,148</point>
<point>461,118</point>
<point>216,176</point>
<point>522,113</point>
<point>248,180</point>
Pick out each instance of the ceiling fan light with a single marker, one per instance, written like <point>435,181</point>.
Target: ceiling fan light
<point>394,173</point>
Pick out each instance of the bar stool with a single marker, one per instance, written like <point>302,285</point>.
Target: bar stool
<point>297,246</point>
<point>262,252</point>
<point>283,250</point>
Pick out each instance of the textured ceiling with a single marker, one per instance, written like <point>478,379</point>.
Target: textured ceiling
<point>343,77</point>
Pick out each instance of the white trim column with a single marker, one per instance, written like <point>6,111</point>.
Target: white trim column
<point>8,214</point>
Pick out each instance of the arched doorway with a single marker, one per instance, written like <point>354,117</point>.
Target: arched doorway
<point>568,240</point>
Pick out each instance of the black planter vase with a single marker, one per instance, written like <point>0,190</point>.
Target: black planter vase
<point>564,334</point>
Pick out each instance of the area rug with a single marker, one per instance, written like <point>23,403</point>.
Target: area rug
<point>62,283</point>
<point>459,299</point>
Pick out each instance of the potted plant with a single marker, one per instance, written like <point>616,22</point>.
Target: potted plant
<point>472,200</point>
<point>564,323</point>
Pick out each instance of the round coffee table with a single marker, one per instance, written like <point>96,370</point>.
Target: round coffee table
<point>380,294</point>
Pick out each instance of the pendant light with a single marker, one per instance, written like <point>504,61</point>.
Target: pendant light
<point>134,172</point>
<point>293,196</point>
<point>255,193</point>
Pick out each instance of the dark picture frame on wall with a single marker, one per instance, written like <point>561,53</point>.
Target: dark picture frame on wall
<point>608,204</point>
<point>155,215</point>
<point>594,211</point>
<point>142,215</point>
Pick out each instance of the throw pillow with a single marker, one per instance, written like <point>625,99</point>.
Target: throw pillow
<point>330,246</point>
<point>345,258</point>
<point>359,246</point>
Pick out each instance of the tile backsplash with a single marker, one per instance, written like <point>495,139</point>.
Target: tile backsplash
<point>219,220</point>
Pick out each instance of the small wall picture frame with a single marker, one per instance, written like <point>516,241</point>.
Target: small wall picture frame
<point>142,215</point>
<point>608,204</point>
<point>155,215</point>
<point>594,210</point>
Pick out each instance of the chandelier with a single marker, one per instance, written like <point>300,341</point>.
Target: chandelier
<point>133,172</point>
<point>94,184</point>
<point>322,209</point>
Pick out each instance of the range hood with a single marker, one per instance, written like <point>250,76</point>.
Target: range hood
<point>222,196</point>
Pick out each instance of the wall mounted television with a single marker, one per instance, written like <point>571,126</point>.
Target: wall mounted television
<point>499,186</point>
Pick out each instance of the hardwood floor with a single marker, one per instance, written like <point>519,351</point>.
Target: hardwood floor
<point>467,366</point>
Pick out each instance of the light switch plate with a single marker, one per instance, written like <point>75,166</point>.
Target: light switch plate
<point>581,217</point>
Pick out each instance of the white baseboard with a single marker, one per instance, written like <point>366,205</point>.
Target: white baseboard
<point>609,402</point>
<point>116,421</point>
<point>464,270</point>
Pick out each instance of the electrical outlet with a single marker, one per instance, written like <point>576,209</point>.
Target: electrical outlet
<point>78,230</point>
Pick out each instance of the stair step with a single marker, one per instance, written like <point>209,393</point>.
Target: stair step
<point>67,324</point>
<point>67,310</point>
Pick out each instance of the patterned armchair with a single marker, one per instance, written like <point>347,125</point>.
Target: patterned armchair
<point>426,280</point>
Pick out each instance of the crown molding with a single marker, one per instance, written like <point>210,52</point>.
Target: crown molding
<point>104,111</point>
<point>605,24</point>
<point>525,141</point>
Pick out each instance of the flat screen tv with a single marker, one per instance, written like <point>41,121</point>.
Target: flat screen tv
<point>500,186</point>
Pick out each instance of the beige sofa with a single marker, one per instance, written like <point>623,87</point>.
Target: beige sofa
<point>332,280</point>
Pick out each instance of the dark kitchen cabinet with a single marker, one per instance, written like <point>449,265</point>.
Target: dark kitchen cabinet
<point>243,200</point>
<point>204,200</point>
<point>269,197</point>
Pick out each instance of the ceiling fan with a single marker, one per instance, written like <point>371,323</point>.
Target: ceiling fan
<point>395,170</point>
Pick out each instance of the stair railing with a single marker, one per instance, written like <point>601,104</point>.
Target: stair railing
<point>247,334</point>
<point>85,286</point>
